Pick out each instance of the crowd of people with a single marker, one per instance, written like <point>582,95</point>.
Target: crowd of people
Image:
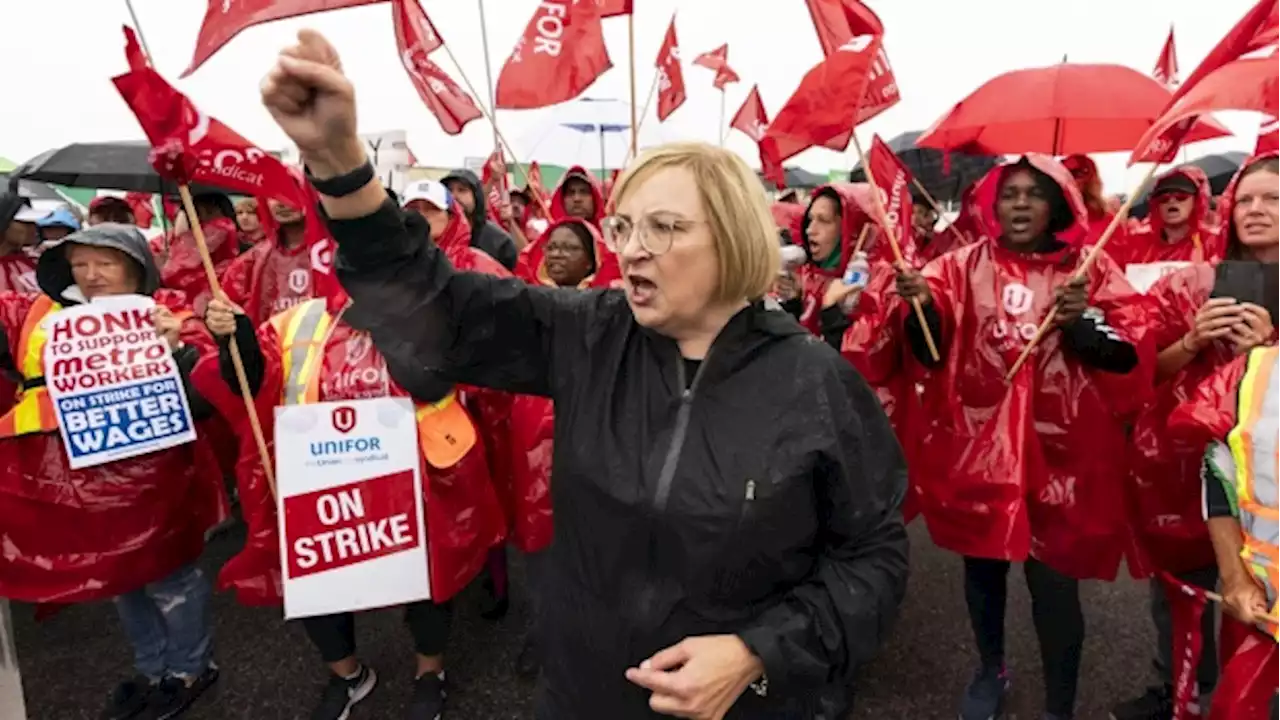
<point>704,437</point>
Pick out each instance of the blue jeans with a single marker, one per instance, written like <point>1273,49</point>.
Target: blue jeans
<point>168,624</point>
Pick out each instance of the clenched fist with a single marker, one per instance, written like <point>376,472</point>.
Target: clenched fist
<point>314,103</point>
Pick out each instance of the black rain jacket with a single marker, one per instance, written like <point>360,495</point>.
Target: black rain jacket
<point>760,497</point>
<point>486,234</point>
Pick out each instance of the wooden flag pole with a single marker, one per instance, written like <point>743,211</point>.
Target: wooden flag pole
<point>1080,272</point>
<point>207,261</point>
<point>631,49</point>
<point>938,209</point>
<point>892,233</point>
<point>241,377</point>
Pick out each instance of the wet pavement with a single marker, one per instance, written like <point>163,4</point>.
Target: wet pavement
<point>270,672</point>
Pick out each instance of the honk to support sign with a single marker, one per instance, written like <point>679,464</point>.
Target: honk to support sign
<point>113,383</point>
<point>352,524</point>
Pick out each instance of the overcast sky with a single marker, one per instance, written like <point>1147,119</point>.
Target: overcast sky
<point>62,53</point>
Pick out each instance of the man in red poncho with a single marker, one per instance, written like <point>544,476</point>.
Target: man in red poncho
<point>182,268</point>
<point>1025,471</point>
<point>276,275</point>
<point>1177,230</point>
<point>1195,330</point>
<point>578,195</point>
<point>128,529</point>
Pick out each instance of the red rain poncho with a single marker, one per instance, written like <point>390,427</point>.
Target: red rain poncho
<point>182,268</point>
<point>1027,467</point>
<point>557,196</point>
<point>530,268</point>
<point>464,517</point>
<point>855,212</point>
<point>1145,243</point>
<point>1098,216</point>
<point>18,273</point>
<point>73,536</point>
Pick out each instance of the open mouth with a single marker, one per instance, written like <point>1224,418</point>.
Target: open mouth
<point>1020,223</point>
<point>640,291</point>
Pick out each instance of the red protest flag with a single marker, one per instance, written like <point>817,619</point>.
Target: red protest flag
<point>839,21</point>
<point>133,53</point>
<point>823,106</point>
<point>1166,70</point>
<point>1258,29</point>
<point>415,37</point>
<point>224,19</point>
<point>537,190</point>
<point>1247,683</point>
<point>560,55</point>
<point>893,181</point>
<point>614,8</point>
<point>198,148</point>
<point>493,178</point>
<point>1268,136</point>
<point>718,60</point>
<point>1187,604</point>
<point>144,210</point>
<point>752,120</point>
<point>671,93</point>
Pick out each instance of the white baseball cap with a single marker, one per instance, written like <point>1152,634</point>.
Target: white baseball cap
<point>29,214</point>
<point>432,191</point>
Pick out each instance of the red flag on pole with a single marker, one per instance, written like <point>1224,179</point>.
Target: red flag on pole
<point>823,106</point>
<point>893,182</point>
<point>415,37</point>
<point>1255,31</point>
<point>614,8</point>
<point>224,19</point>
<point>839,21</point>
<point>537,190</point>
<point>493,178</point>
<point>752,121</point>
<point>1166,70</point>
<point>1187,604</point>
<point>671,93</point>
<point>718,60</point>
<point>560,55</point>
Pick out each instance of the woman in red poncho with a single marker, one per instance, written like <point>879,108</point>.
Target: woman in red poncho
<point>829,235</point>
<point>1025,471</point>
<point>1194,336</point>
<point>464,518</point>
<point>1084,171</point>
<point>127,529</point>
<point>182,268</point>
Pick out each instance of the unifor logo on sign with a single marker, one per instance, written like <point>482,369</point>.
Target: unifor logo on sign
<point>344,419</point>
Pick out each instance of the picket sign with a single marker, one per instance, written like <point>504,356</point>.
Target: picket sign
<point>113,383</point>
<point>1143,275</point>
<point>349,503</point>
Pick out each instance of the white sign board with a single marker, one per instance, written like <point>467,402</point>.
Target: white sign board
<point>113,382</point>
<point>352,528</point>
<point>1143,275</point>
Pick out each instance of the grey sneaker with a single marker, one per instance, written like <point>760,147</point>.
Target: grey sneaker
<point>984,698</point>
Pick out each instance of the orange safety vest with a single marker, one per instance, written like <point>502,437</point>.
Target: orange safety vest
<point>446,432</point>
<point>33,410</point>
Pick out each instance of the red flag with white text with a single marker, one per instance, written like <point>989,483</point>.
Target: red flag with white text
<point>839,21</point>
<point>671,93</point>
<point>1166,70</point>
<point>415,37</point>
<point>823,106</point>
<point>1187,604</point>
<point>752,120</point>
<point>1258,29</point>
<point>224,19</point>
<point>493,177</point>
<point>192,147</point>
<point>537,190</point>
<point>561,53</point>
<point>893,181</point>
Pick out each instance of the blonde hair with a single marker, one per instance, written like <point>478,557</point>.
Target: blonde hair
<point>247,203</point>
<point>742,228</point>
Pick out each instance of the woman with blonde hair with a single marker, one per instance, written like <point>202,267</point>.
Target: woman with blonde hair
<point>726,488</point>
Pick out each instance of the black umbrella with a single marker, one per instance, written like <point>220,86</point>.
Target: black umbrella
<point>1220,168</point>
<point>926,164</point>
<point>797,178</point>
<point>115,165</point>
<point>31,189</point>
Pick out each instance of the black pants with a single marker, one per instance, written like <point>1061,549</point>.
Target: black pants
<point>335,635</point>
<point>1055,608</point>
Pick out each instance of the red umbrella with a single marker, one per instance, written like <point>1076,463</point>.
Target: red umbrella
<point>1058,110</point>
<point>1246,84</point>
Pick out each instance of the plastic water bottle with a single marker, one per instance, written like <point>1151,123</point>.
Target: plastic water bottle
<point>858,271</point>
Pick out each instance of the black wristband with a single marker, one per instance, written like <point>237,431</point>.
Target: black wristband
<point>342,185</point>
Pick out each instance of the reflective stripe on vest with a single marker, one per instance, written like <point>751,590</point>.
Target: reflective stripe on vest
<point>1253,443</point>
<point>33,411</point>
<point>304,330</point>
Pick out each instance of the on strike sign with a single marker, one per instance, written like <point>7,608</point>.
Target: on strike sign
<point>113,382</point>
<point>352,528</point>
